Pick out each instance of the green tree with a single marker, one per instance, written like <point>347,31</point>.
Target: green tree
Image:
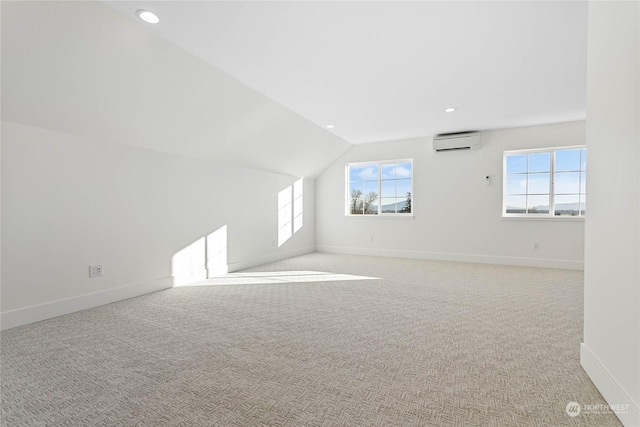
<point>407,206</point>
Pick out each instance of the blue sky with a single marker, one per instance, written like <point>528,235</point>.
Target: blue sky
<point>530,173</point>
<point>395,181</point>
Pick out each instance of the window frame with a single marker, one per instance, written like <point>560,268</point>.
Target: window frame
<point>552,194</point>
<point>379,214</point>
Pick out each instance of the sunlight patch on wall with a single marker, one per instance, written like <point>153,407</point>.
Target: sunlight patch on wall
<point>297,205</point>
<point>188,264</point>
<point>217,253</point>
<point>285,209</point>
<point>290,211</point>
<point>279,277</point>
<point>205,258</point>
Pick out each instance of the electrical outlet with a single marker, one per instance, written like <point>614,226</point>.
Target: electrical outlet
<point>95,270</point>
<point>536,246</point>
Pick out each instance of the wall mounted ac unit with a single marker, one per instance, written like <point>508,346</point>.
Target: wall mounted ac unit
<point>456,141</point>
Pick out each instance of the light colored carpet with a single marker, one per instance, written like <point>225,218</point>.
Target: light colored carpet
<point>429,343</point>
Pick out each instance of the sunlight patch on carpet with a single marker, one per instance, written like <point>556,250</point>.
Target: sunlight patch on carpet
<point>275,277</point>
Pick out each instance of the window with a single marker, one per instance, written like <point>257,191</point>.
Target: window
<point>545,183</point>
<point>379,188</point>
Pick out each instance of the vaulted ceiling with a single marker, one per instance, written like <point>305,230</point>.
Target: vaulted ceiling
<point>255,83</point>
<point>85,69</point>
<point>386,70</point>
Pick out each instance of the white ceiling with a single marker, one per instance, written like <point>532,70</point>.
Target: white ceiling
<point>386,70</point>
<point>82,68</point>
<point>254,83</point>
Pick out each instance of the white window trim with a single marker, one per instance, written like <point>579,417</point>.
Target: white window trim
<point>379,214</point>
<point>537,217</point>
<point>544,217</point>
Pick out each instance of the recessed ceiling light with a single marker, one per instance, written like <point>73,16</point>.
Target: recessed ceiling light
<point>330,126</point>
<point>450,109</point>
<point>148,16</point>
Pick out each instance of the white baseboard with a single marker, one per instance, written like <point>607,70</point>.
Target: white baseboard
<point>254,262</point>
<point>609,388</point>
<point>36,313</point>
<point>445,256</point>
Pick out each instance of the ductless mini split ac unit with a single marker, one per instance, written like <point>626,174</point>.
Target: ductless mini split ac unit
<point>456,141</point>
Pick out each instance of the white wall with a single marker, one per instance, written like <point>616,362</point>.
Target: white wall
<point>70,202</point>
<point>456,216</point>
<point>610,353</point>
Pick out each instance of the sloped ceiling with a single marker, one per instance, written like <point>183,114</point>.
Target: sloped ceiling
<point>386,70</point>
<point>255,83</point>
<point>84,68</point>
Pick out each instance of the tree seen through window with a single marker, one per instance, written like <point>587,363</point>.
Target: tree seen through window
<point>380,188</point>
